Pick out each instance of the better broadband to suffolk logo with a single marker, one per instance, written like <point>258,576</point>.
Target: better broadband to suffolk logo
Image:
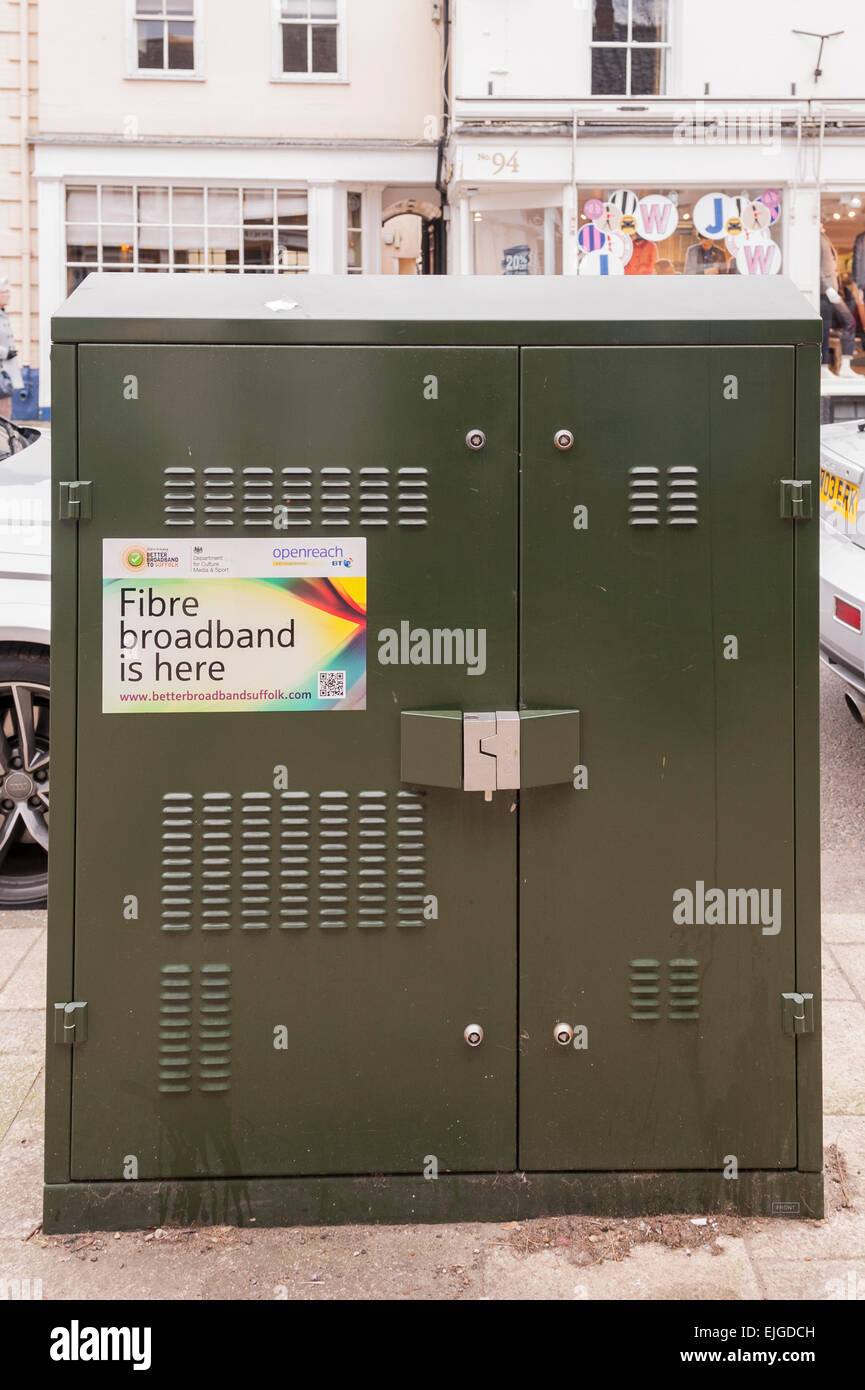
<point>135,557</point>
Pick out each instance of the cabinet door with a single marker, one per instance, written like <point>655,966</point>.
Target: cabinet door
<point>664,612</point>
<point>281,943</point>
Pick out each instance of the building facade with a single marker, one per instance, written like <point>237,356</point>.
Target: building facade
<point>195,136</point>
<point>348,136</point>
<point>558,108</point>
<point>18,121</point>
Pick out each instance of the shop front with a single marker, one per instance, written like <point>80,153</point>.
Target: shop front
<point>542,204</point>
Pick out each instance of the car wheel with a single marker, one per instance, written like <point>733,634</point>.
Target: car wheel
<point>24,769</point>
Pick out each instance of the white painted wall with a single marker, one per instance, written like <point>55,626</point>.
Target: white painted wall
<point>392,78</point>
<point>742,48</point>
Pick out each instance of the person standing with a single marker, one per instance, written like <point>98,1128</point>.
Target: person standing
<point>705,258</point>
<point>644,257</point>
<point>10,372</point>
<point>834,312</point>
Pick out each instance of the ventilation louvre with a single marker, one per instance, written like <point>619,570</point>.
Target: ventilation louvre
<point>331,497</point>
<point>256,860</point>
<point>645,989</point>
<point>644,505</point>
<point>684,987</point>
<point>682,495</point>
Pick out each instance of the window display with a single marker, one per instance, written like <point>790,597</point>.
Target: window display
<point>685,232</point>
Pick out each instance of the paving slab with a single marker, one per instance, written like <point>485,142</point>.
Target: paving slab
<point>25,987</point>
<point>350,1262</point>
<point>848,1132</point>
<point>21,1030</point>
<point>835,982</point>
<point>21,1169</point>
<point>812,1280</point>
<point>14,945</point>
<point>840,1238</point>
<point>850,956</point>
<point>843,926</point>
<point>17,1076</point>
<point>650,1272</point>
<point>843,1057</point>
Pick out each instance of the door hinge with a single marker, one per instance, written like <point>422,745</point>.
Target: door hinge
<point>76,501</point>
<point>70,1022</point>
<point>797,1013</point>
<point>796,499</point>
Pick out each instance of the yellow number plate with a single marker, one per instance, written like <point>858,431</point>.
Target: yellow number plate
<point>838,494</point>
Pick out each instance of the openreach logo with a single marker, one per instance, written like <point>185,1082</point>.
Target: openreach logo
<point>77,1343</point>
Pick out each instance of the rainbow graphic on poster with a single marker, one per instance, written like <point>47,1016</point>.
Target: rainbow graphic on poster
<point>227,625</point>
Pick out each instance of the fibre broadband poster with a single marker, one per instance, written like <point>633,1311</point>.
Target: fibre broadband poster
<point>220,624</point>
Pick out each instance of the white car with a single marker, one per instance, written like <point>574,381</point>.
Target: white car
<point>25,624</point>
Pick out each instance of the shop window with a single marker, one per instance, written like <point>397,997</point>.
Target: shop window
<point>191,229</point>
<point>630,47</point>
<point>685,231</point>
<point>518,242</point>
<point>309,38</point>
<point>164,36</point>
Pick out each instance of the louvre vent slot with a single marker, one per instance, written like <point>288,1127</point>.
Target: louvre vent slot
<point>214,1028</point>
<point>372,877</point>
<point>297,496</point>
<point>177,861</point>
<point>175,1028</point>
<point>258,497</point>
<point>413,509</point>
<point>411,859</point>
<point>256,873</point>
<point>644,505</point>
<point>218,497</point>
<point>374,496</point>
<point>682,495</point>
<point>684,989</point>
<point>333,859</point>
<point>178,487</point>
<point>294,883</point>
<point>645,989</point>
<point>216,861</point>
<point>335,496</point>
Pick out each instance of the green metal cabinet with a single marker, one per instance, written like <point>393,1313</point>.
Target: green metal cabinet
<point>522,914</point>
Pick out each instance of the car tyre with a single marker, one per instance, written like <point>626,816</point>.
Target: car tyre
<point>24,775</point>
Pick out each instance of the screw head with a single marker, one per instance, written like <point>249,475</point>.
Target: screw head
<point>474,1034</point>
<point>476,439</point>
<point>563,1034</point>
<point>563,439</point>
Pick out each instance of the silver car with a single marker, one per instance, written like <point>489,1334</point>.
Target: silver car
<point>25,461</point>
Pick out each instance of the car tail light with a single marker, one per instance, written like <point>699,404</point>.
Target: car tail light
<point>847,613</point>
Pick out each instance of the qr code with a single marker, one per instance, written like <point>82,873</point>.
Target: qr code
<point>331,685</point>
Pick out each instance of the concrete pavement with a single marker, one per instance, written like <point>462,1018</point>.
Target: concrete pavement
<point>565,1258</point>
